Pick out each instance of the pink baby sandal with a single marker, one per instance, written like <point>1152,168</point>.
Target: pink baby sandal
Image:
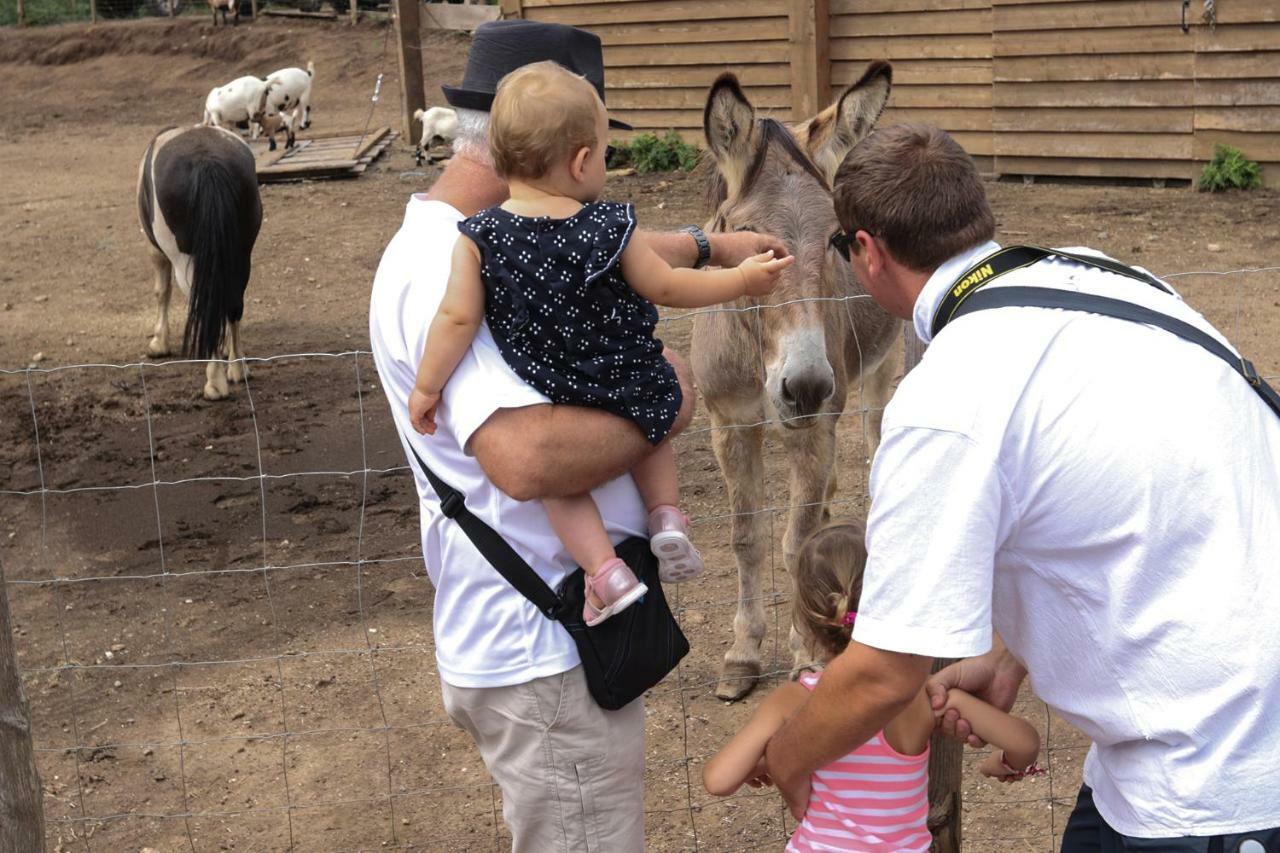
<point>678,560</point>
<point>616,586</point>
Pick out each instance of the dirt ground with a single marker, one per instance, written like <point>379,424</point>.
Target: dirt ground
<point>220,706</point>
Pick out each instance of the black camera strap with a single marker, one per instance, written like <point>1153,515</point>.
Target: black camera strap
<point>492,546</point>
<point>967,296</point>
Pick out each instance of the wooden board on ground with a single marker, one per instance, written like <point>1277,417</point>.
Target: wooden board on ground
<point>339,155</point>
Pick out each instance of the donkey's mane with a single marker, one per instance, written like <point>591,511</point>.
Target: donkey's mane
<point>772,130</point>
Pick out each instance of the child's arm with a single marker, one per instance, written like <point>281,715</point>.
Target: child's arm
<point>655,279</point>
<point>739,759</point>
<point>452,331</point>
<point>1016,741</point>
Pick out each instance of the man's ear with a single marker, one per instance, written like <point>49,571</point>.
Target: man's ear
<point>870,251</point>
<point>578,165</point>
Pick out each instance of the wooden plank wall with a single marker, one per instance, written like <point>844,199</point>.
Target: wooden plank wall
<point>941,55</point>
<point>661,56</point>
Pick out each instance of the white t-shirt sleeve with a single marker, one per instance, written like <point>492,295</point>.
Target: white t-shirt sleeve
<point>482,384</point>
<point>938,506</point>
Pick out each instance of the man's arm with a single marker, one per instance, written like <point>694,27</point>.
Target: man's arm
<point>728,249</point>
<point>860,691</point>
<point>548,451</point>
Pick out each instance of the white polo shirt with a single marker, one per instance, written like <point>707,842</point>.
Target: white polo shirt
<point>1106,496</point>
<point>486,633</point>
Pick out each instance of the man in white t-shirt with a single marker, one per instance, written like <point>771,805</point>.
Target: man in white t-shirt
<point>1102,494</point>
<point>571,773</point>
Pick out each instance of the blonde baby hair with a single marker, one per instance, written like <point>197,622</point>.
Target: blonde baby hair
<point>828,585</point>
<point>541,116</point>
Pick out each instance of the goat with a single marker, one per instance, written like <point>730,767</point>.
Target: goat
<point>437,122</point>
<point>243,99</point>
<point>216,6</point>
<point>291,99</point>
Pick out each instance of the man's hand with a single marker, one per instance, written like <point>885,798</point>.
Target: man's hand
<point>795,791</point>
<point>994,677</point>
<point>731,248</point>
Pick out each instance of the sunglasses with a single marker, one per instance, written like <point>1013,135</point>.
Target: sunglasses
<point>843,241</point>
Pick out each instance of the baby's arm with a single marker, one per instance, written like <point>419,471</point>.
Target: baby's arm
<point>452,330</point>
<point>1016,741</point>
<point>655,279</point>
<point>739,760</point>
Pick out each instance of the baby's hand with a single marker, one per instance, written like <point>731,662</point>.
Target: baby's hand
<point>760,272</point>
<point>995,767</point>
<point>422,411</point>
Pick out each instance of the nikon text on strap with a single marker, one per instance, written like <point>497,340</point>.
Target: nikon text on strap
<point>966,296</point>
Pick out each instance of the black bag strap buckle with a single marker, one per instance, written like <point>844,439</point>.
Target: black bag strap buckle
<point>1250,373</point>
<point>452,505</point>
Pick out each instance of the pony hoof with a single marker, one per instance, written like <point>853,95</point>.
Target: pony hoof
<point>237,372</point>
<point>737,679</point>
<point>212,392</point>
<point>157,349</point>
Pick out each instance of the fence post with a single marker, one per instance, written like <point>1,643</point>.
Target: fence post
<point>810,36</point>
<point>22,14</point>
<point>93,11</point>
<point>21,797</point>
<point>253,9</point>
<point>512,9</point>
<point>173,7</point>
<point>946,761</point>
<point>412,95</point>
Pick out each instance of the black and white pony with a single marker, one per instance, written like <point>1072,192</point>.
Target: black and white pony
<point>199,207</point>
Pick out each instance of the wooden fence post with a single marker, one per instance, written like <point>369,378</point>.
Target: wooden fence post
<point>512,9</point>
<point>412,96</point>
<point>93,11</point>
<point>355,12</point>
<point>253,9</point>
<point>946,761</point>
<point>810,36</point>
<point>22,14</point>
<point>21,797</point>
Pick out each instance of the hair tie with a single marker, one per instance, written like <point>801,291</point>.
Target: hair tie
<point>849,617</point>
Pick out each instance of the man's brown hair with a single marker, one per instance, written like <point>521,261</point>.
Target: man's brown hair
<point>541,116</point>
<point>915,188</point>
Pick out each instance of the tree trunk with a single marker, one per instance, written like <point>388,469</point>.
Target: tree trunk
<point>21,797</point>
<point>946,761</point>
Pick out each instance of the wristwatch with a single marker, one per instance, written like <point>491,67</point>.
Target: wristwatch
<point>704,245</point>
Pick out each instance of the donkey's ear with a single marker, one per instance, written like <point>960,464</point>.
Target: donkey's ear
<point>833,132</point>
<point>729,123</point>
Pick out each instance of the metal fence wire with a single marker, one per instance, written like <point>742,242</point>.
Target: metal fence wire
<point>223,621</point>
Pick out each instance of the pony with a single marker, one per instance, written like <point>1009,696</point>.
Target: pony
<point>199,208</point>
<point>798,351</point>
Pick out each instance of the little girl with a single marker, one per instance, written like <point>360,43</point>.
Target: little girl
<point>876,798</point>
<point>568,287</point>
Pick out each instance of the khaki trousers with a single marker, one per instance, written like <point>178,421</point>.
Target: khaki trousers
<point>571,773</point>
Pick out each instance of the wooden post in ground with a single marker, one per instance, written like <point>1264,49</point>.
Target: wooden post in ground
<point>355,12</point>
<point>21,797</point>
<point>22,14</point>
<point>412,96</point>
<point>946,761</point>
<point>93,11</point>
<point>512,9</point>
<point>173,7</point>
<point>809,30</point>
<point>253,8</point>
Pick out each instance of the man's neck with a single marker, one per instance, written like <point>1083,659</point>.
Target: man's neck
<point>468,186</point>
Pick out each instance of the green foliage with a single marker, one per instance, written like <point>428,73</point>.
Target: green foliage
<point>649,153</point>
<point>1229,169</point>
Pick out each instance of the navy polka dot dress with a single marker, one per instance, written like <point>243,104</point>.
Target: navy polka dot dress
<point>566,320</point>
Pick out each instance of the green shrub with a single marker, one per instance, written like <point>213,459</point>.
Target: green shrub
<point>649,153</point>
<point>1229,169</point>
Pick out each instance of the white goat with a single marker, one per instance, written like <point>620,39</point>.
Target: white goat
<point>291,98</point>
<point>224,6</point>
<point>243,99</point>
<point>437,122</point>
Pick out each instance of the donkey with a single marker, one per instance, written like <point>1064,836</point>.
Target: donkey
<point>802,348</point>
<point>199,207</point>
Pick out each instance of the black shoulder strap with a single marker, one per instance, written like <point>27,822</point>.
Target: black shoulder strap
<point>491,545</point>
<point>1045,297</point>
<point>1015,258</point>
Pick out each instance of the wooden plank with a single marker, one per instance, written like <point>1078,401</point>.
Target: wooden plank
<point>810,42</point>
<point>1088,15</point>
<point>1133,66</point>
<point>947,119</point>
<point>907,72</point>
<point>371,140</point>
<point>300,168</point>
<point>638,77</point>
<point>1118,146</point>
<point>1102,93</point>
<point>286,12</point>
<point>685,32</point>
<point>1086,168</point>
<point>1107,120</point>
<point>729,53</point>
<point>1239,37</point>
<point>1263,147</point>
<point>1251,120</point>
<point>911,47</point>
<point>933,22</point>
<point>585,15</point>
<point>877,7</point>
<point>1090,42</point>
<point>1237,93</point>
<point>1247,12</point>
<point>512,8</point>
<point>691,98</point>
<point>941,96</point>
<point>1210,66</point>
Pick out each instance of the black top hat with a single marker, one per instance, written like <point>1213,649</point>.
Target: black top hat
<point>500,47</point>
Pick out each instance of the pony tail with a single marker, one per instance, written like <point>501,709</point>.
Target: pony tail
<point>220,258</point>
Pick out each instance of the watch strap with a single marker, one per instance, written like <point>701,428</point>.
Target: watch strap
<point>704,245</point>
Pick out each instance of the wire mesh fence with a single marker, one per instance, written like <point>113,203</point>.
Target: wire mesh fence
<point>224,626</point>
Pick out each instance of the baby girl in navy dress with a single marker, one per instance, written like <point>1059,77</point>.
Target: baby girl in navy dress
<point>568,288</point>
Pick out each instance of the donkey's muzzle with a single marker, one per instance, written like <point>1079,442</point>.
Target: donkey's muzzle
<point>806,395</point>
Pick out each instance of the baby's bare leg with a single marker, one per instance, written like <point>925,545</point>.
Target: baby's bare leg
<point>656,477</point>
<point>577,522</point>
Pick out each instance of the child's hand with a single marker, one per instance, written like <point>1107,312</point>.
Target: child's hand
<point>760,272</point>
<point>760,777</point>
<point>995,767</point>
<point>422,411</point>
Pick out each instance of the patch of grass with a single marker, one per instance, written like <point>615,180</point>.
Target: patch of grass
<point>650,153</point>
<point>1229,169</point>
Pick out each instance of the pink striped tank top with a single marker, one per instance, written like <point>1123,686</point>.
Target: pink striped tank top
<point>873,799</point>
